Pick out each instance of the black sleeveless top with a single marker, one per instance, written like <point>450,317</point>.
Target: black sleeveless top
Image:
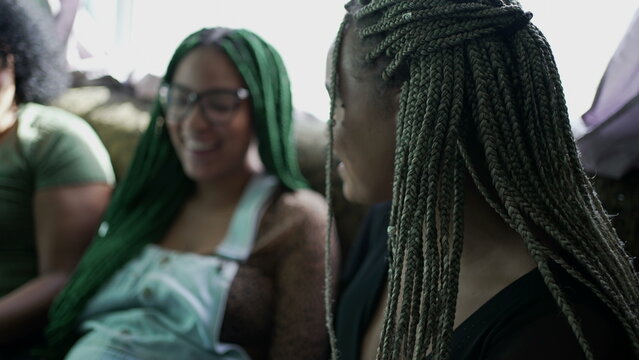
<point>521,322</point>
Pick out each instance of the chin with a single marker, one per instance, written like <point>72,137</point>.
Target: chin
<point>366,195</point>
<point>199,175</point>
<point>356,194</point>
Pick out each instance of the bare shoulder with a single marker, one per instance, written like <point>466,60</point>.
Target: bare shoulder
<point>303,203</point>
<point>294,217</point>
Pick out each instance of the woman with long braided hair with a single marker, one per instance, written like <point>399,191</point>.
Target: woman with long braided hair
<point>208,251</point>
<point>498,247</point>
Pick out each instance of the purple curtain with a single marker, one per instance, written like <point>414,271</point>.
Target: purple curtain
<point>610,146</point>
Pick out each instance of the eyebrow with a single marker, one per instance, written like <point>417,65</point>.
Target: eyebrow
<point>209,90</point>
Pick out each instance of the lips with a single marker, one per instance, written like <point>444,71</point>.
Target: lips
<point>202,146</point>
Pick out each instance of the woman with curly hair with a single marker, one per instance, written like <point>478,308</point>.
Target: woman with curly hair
<point>212,247</point>
<point>498,247</point>
<point>55,177</point>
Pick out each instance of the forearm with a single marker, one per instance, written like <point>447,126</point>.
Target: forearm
<point>24,311</point>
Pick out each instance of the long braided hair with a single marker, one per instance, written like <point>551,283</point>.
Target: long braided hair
<point>155,188</point>
<point>481,96</point>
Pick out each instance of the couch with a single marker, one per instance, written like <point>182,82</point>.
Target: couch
<point>119,118</point>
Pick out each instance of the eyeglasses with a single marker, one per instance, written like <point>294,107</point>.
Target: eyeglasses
<point>217,105</point>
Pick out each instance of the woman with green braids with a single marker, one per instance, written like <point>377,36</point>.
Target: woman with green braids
<point>208,250</point>
<point>498,247</point>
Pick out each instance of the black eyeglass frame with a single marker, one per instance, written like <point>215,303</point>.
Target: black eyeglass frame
<point>193,98</point>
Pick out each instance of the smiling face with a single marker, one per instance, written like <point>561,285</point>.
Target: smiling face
<point>210,151</point>
<point>364,127</point>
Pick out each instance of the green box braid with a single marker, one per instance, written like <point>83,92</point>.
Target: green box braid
<point>155,188</point>
<point>481,96</point>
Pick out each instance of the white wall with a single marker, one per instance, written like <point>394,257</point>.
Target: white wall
<point>301,30</point>
<point>582,33</point>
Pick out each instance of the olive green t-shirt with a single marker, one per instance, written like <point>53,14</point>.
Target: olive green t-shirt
<point>48,148</point>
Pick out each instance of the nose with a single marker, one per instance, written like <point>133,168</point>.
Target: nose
<point>194,118</point>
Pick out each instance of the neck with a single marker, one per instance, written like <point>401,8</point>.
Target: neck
<point>226,190</point>
<point>223,192</point>
<point>493,256</point>
<point>490,244</point>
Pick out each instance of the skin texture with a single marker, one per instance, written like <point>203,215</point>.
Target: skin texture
<point>8,107</point>
<point>203,69</point>
<point>66,218</point>
<point>364,130</point>
<point>275,306</point>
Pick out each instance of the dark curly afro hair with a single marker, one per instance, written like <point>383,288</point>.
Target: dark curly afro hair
<point>27,33</point>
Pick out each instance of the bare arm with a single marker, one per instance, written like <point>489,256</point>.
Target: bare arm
<point>65,219</point>
<point>299,320</point>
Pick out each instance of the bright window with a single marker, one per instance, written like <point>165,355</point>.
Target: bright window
<point>583,35</point>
